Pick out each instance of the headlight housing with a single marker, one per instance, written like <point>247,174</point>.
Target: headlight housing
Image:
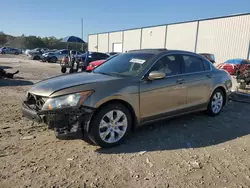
<point>66,101</point>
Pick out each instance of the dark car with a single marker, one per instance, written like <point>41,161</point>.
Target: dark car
<point>210,57</point>
<point>92,56</point>
<point>127,91</point>
<point>112,53</point>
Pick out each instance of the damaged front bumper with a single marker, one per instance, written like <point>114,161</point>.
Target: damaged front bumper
<point>67,122</point>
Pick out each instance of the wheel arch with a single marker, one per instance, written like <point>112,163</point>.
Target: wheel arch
<point>119,101</point>
<point>223,89</point>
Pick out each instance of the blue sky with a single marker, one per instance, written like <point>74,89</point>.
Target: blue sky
<point>63,18</point>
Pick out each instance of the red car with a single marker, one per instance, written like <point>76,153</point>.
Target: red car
<point>97,63</point>
<point>94,64</point>
<point>232,65</point>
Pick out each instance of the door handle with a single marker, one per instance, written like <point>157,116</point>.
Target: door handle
<point>180,81</point>
<point>209,75</point>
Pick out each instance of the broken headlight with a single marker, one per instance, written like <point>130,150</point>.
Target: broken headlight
<point>66,101</point>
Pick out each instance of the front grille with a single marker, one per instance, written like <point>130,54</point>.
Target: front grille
<point>35,102</point>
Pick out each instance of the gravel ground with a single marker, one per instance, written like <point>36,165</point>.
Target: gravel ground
<point>189,151</point>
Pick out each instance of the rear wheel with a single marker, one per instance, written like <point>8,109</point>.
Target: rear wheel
<point>216,102</point>
<point>63,70</point>
<point>242,85</point>
<point>36,58</point>
<point>3,52</point>
<point>110,126</point>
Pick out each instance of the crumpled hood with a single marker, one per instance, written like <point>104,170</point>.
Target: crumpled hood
<point>49,86</point>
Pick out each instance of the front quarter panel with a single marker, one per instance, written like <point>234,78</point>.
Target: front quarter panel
<point>125,89</point>
<point>120,89</point>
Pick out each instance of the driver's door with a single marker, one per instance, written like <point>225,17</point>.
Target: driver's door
<point>159,98</point>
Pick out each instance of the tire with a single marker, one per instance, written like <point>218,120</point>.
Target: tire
<point>36,58</point>
<point>63,70</point>
<point>102,136</point>
<point>217,99</point>
<point>3,52</point>
<point>242,86</point>
<point>53,60</point>
<point>16,53</point>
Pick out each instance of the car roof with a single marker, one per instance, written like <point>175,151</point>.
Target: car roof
<point>205,54</point>
<point>234,60</point>
<point>152,51</point>
<point>158,51</point>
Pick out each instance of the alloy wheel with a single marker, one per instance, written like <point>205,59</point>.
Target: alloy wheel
<point>217,102</point>
<point>113,126</point>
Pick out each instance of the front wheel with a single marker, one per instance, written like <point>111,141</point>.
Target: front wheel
<point>216,103</point>
<point>110,126</point>
<point>16,53</point>
<point>53,59</point>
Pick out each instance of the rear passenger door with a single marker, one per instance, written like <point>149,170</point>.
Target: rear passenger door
<point>198,79</point>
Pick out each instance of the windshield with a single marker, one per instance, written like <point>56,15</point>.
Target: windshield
<point>127,64</point>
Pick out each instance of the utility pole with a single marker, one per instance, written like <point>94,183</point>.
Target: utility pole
<point>82,30</point>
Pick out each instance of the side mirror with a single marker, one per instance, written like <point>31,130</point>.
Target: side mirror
<point>156,75</point>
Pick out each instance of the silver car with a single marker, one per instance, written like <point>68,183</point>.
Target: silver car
<point>127,91</point>
<point>7,50</point>
<point>54,57</point>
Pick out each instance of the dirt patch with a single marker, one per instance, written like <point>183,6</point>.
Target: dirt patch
<point>190,151</point>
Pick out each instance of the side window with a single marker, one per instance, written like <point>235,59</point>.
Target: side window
<point>64,52</point>
<point>192,64</point>
<point>169,64</point>
<point>206,65</point>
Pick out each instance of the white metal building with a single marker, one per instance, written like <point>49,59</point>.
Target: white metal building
<point>225,37</point>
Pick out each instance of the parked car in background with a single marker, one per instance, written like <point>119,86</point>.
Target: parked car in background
<point>8,50</point>
<point>129,90</point>
<point>54,57</point>
<point>210,57</point>
<point>27,51</point>
<point>232,65</point>
<point>112,53</point>
<point>93,56</point>
<point>92,65</point>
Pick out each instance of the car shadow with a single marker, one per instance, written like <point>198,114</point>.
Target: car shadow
<point>5,67</point>
<point>191,131</point>
<point>14,82</point>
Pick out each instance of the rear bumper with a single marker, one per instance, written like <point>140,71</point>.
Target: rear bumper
<point>66,123</point>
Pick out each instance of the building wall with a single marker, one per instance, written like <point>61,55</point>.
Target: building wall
<point>103,42</point>
<point>92,43</point>
<point>115,37</point>
<point>132,40</point>
<point>153,37</point>
<point>226,37</point>
<point>181,36</point>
